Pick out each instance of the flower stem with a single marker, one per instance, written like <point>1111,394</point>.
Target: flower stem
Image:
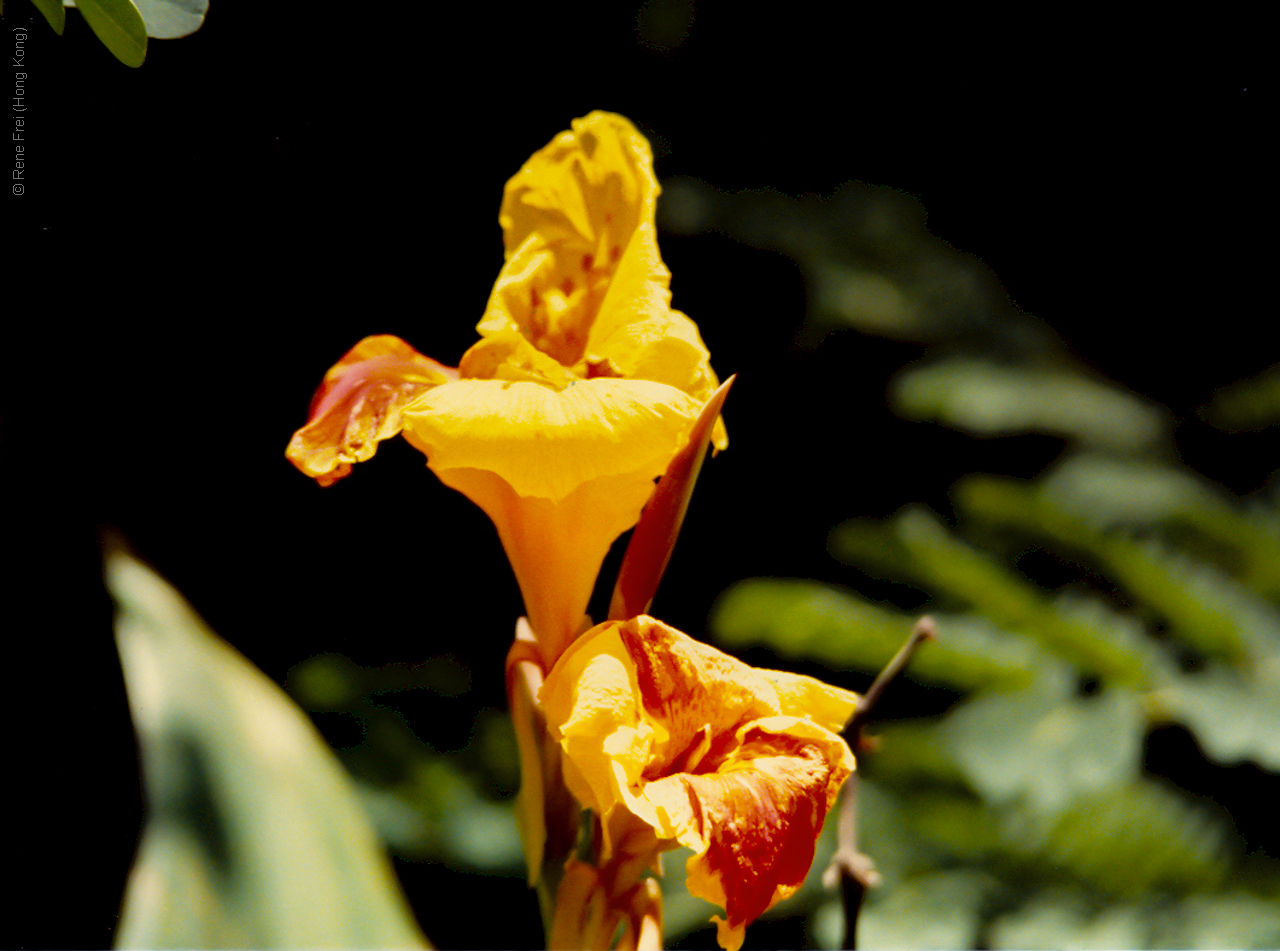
<point>854,871</point>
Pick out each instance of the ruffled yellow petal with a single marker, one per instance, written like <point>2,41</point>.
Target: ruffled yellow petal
<point>707,751</point>
<point>589,701</point>
<point>584,283</point>
<point>569,217</point>
<point>359,404</point>
<point>801,696</point>
<point>593,180</point>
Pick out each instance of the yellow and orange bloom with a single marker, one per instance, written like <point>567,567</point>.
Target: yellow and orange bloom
<point>663,733</point>
<point>584,385</point>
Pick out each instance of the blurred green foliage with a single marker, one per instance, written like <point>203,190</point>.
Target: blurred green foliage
<point>451,806</point>
<point>1025,815</point>
<point>255,837</point>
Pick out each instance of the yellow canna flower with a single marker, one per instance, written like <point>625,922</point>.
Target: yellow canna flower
<point>583,386</point>
<point>737,763</point>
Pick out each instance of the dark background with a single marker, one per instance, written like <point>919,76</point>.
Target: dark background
<point>202,237</point>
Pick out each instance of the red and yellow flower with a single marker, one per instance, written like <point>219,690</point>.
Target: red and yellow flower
<point>584,385</point>
<point>661,732</point>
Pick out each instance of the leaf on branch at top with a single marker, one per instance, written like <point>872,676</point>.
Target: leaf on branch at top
<point>255,836</point>
<point>872,546</point>
<point>170,19</point>
<point>119,26</point>
<point>1109,490</point>
<point>53,11</point>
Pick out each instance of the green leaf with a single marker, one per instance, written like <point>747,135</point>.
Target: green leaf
<point>1044,748</point>
<point>1206,608</point>
<point>1129,840</point>
<point>1062,918</point>
<point>1122,840</point>
<point>870,301</point>
<point>53,11</point>
<point>872,546</point>
<point>1078,630</point>
<point>1069,918</point>
<point>986,399</point>
<point>119,26</point>
<point>1247,405</point>
<point>170,19</point>
<point>457,823</point>
<point>1109,493</point>
<point>1227,920</point>
<point>255,836</point>
<point>1234,714</point>
<point>912,752</point>
<point>807,619</point>
<point>957,825</point>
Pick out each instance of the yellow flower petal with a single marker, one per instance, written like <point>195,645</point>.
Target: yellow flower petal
<point>583,281</point>
<point>569,216</point>
<point>546,443</point>
<point>561,473</point>
<point>803,696</point>
<point>359,403</point>
<point>708,751</point>
<point>510,357</point>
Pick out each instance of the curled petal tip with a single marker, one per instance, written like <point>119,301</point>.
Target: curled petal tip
<point>360,403</point>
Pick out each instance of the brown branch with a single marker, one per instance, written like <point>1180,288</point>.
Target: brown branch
<point>854,871</point>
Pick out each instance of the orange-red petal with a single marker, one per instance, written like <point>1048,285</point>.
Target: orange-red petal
<point>360,403</point>
<point>753,823</point>
<point>739,764</point>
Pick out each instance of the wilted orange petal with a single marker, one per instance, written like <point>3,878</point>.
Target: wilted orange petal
<point>359,404</point>
<point>754,822</point>
<point>731,761</point>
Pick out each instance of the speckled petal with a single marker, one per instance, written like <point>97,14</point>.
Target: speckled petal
<point>359,404</point>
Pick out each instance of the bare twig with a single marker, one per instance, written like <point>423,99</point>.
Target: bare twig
<point>854,871</point>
